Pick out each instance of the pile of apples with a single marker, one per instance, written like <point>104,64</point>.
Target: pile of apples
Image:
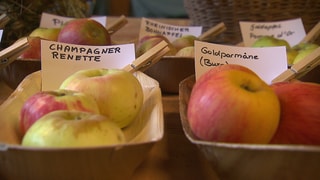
<point>231,103</point>
<point>81,31</point>
<point>294,53</point>
<point>182,46</point>
<point>90,108</point>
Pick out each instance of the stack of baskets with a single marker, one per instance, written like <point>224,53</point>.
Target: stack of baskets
<point>207,13</point>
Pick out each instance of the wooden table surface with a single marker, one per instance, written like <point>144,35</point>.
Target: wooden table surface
<point>173,157</point>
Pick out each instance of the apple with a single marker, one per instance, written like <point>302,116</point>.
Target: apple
<point>44,102</point>
<point>184,41</point>
<point>34,49</point>
<point>149,41</point>
<point>66,128</point>
<point>230,103</point>
<point>34,40</point>
<point>46,33</point>
<point>186,52</point>
<point>270,41</point>
<point>118,93</point>
<point>84,31</point>
<point>303,49</point>
<point>300,115</point>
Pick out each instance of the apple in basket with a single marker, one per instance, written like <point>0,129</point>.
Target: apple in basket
<point>184,41</point>
<point>118,93</point>
<point>34,39</point>
<point>149,41</point>
<point>45,102</point>
<point>300,115</point>
<point>230,103</point>
<point>84,31</point>
<point>303,50</point>
<point>66,128</point>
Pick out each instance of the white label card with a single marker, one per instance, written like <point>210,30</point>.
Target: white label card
<point>267,62</point>
<point>55,21</point>
<point>171,32</point>
<point>291,30</point>
<point>1,32</point>
<point>60,60</point>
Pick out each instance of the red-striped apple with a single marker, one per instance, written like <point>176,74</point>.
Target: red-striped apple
<point>300,115</point>
<point>45,102</point>
<point>230,103</point>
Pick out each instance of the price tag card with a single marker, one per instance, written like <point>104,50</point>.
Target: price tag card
<point>171,32</point>
<point>54,21</point>
<point>290,30</point>
<point>60,60</point>
<point>267,62</point>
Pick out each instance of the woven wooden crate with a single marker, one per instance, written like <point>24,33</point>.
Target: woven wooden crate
<point>208,13</point>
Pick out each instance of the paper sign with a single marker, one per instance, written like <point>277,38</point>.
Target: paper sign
<point>55,21</point>
<point>267,62</point>
<point>59,60</point>
<point>291,30</point>
<point>171,32</point>
<point>1,32</point>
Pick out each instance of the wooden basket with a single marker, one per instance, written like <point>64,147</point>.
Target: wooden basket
<point>208,13</point>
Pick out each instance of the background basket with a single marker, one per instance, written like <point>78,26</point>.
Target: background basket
<point>207,13</point>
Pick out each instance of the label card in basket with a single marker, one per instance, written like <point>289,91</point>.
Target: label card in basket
<point>54,21</point>
<point>171,32</point>
<point>267,62</point>
<point>59,60</point>
<point>290,30</point>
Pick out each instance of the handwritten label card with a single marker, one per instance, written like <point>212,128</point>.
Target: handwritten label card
<point>291,30</point>
<point>60,60</point>
<point>55,21</point>
<point>171,32</point>
<point>267,62</point>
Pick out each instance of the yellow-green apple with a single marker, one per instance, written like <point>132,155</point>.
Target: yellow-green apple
<point>46,33</point>
<point>184,41</point>
<point>149,41</point>
<point>34,39</point>
<point>186,52</point>
<point>84,31</point>
<point>44,102</point>
<point>300,115</point>
<point>230,103</point>
<point>118,93</point>
<point>270,41</point>
<point>66,128</point>
<point>303,49</point>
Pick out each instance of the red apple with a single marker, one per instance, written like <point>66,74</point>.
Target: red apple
<point>34,49</point>
<point>65,128</point>
<point>230,103</point>
<point>84,31</point>
<point>300,113</point>
<point>118,93</point>
<point>44,102</point>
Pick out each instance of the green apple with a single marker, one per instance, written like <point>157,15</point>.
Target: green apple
<point>270,41</point>
<point>186,52</point>
<point>184,41</point>
<point>118,93</point>
<point>303,49</point>
<point>64,128</point>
